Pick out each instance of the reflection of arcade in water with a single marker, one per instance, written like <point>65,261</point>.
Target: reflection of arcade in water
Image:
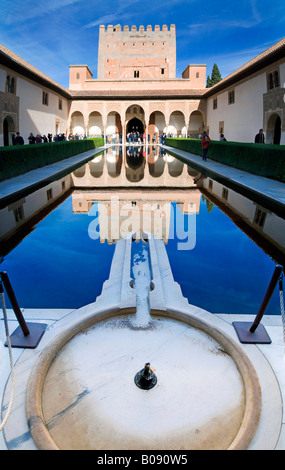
<point>126,166</point>
<point>117,181</point>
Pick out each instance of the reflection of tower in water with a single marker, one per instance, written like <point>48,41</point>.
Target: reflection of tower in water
<point>117,218</point>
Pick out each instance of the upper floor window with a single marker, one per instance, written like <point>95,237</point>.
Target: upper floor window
<point>231,97</point>
<point>215,103</point>
<point>162,71</point>
<point>78,76</point>
<point>59,104</point>
<point>10,84</point>
<point>45,98</point>
<point>136,73</point>
<point>273,79</point>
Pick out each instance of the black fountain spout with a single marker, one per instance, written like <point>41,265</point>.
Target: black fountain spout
<point>145,378</point>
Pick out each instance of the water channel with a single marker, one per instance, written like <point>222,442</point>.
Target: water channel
<point>57,244</point>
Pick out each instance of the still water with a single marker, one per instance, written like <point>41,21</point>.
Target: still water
<point>59,251</point>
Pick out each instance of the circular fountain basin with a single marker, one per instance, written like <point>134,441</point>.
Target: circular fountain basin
<point>82,394</point>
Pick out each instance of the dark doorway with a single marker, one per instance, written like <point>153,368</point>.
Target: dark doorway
<point>277,131</point>
<point>135,125</point>
<point>5,132</point>
<point>8,130</point>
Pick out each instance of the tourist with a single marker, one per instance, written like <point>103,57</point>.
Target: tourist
<point>259,138</point>
<point>205,144</point>
<point>18,139</point>
<point>38,139</point>
<point>223,139</point>
<point>31,138</point>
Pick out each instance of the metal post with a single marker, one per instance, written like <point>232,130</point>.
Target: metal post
<point>255,333</point>
<point>14,303</point>
<point>26,335</point>
<point>273,283</point>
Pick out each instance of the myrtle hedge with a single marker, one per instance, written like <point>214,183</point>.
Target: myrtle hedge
<point>20,159</point>
<point>260,159</point>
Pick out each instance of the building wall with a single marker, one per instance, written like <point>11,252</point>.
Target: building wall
<point>241,120</point>
<point>142,53</point>
<point>25,110</point>
<point>37,117</point>
<point>255,106</point>
<point>142,85</point>
<point>196,74</point>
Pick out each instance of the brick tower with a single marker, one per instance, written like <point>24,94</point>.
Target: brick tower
<point>132,54</point>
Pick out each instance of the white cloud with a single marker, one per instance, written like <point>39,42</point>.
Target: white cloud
<point>13,10</point>
<point>107,19</point>
<point>220,24</point>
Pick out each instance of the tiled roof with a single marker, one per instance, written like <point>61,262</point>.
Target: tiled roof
<point>270,55</point>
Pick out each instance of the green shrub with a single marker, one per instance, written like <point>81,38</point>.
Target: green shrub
<point>259,159</point>
<point>17,160</point>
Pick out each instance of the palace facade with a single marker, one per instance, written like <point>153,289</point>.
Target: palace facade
<point>136,89</point>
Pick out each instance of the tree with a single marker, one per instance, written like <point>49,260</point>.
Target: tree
<point>215,77</point>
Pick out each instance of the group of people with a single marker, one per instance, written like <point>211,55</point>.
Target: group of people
<point>38,139</point>
<point>135,137</point>
<point>259,139</point>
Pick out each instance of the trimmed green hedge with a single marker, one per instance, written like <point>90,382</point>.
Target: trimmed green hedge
<point>20,159</point>
<point>259,159</point>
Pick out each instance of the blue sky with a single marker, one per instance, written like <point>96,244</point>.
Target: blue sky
<point>53,34</point>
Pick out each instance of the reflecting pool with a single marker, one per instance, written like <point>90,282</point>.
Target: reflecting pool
<point>57,244</point>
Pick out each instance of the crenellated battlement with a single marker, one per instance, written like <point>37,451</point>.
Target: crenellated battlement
<point>118,28</point>
<point>136,52</point>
